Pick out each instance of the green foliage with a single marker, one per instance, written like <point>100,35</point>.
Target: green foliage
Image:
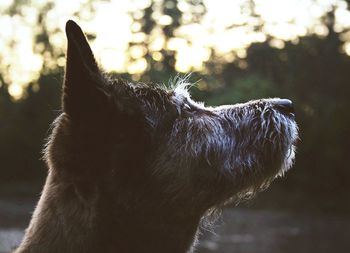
<point>244,88</point>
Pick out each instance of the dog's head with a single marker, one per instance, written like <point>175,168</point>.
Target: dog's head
<point>154,147</point>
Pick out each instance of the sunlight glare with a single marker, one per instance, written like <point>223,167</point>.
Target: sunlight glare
<point>16,91</point>
<point>112,60</point>
<point>138,66</point>
<point>347,48</point>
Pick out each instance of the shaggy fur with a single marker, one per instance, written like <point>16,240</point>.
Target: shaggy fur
<point>133,168</point>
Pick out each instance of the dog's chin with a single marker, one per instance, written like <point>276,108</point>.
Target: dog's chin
<point>289,156</point>
<point>288,161</point>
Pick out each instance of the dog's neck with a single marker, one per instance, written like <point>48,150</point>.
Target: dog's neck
<point>64,222</point>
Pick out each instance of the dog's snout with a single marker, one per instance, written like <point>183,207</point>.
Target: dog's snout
<point>285,106</point>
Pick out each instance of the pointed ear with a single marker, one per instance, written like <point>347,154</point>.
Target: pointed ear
<point>83,84</point>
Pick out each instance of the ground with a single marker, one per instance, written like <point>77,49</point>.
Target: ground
<point>240,230</point>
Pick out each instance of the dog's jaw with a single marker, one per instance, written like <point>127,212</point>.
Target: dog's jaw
<point>289,156</point>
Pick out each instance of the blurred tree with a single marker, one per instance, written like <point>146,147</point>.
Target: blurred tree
<point>24,127</point>
<point>158,23</point>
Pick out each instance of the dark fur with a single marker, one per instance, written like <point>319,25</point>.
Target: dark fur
<point>134,168</point>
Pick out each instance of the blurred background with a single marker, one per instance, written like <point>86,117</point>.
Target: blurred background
<point>236,50</point>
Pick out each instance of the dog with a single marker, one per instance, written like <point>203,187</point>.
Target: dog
<point>136,167</point>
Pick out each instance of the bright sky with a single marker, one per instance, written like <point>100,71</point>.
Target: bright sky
<point>284,19</point>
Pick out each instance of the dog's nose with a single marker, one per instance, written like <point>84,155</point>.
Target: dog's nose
<point>285,106</point>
